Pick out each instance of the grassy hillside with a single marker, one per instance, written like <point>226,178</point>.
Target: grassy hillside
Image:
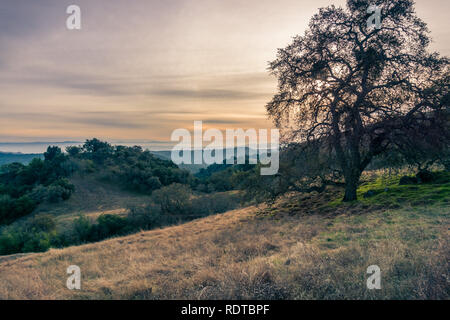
<point>91,198</point>
<point>304,247</point>
<point>92,195</point>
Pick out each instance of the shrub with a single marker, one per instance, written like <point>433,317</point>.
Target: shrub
<point>87,166</point>
<point>39,194</point>
<point>55,194</point>
<point>73,150</point>
<point>6,207</point>
<point>23,206</point>
<point>147,217</point>
<point>9,243</point>
<point>214,203</point>
<point>138,179</point>
<point>12,209</point>
<point>222,180</point>
<point>36,235</point>
<point>59,190</point>
<point>97,150</point>
<point>41,222</point>
<point>81,227</point>
<point>221,202</point>
<point>173,199</point>
<point>37,242</point>
<point>109,225</point>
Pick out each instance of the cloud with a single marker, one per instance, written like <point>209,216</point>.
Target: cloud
<point>216,94</point>
<point>110,120</point>
<point>221,121</point>
<point>207,87</point>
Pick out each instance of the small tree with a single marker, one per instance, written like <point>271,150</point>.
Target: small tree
<point>97,150</point>
<point>52,153</point>
<point>355,88</point>
<point>173,199</point>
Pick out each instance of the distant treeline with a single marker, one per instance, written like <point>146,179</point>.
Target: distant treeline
<point>141,171</point>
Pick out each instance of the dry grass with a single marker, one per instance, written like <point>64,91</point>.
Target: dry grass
<point>91,198</point>
<point>283,252</point>
<point>91,195</point>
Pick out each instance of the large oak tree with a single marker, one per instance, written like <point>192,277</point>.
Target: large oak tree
<point>355,88</point>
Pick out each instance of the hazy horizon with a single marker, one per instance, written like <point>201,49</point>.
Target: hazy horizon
<point>39,147</point>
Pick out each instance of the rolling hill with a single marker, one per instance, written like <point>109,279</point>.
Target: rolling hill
<point>308,246</point>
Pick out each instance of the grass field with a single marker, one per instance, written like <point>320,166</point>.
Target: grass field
<point>91,195</point>
<point>304,247</point>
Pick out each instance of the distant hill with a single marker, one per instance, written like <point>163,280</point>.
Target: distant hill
<point>166,155</point>
<point>25,158</point>
<point>9,157</point>
<point>195,168</point>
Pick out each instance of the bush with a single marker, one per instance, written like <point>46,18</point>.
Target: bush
<point>12,209</point>
<point>58,191</point>
<point>214,203</point>
<point>73,150</point>
<point>41,222</point>
<point>10,243</point>
<point>37,242</point>
<point>173,199</point>
<point>39,194</point>
<point>222,181</point>
<point>222,202</point>
<point>146,218</point>
<point>109,225</point>
<point>6,207</point>
<point>55,194</point>
<point>81,227</point>
<point>36,235</point>
<point>140,180</point>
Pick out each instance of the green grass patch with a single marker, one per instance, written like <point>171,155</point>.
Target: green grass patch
<point>389,194</point>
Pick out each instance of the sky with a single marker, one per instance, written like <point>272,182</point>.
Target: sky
<point>137,70</point>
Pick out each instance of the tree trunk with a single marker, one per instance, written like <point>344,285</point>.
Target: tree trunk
<point>351,184</point>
